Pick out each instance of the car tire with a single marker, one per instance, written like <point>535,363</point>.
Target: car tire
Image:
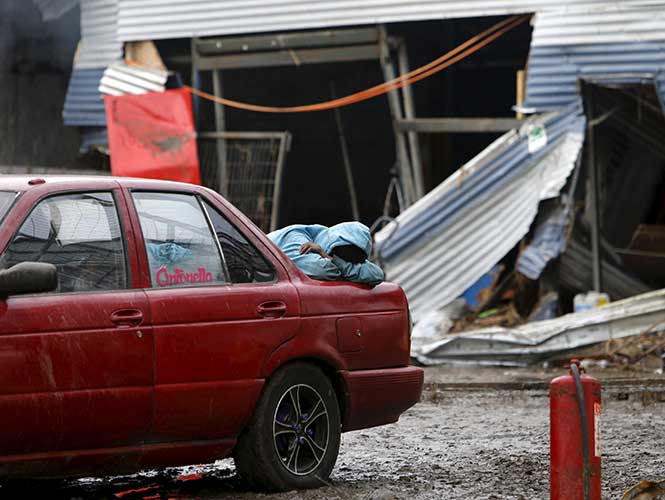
<point>292,440</point>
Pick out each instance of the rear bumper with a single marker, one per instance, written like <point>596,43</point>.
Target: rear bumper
<point>378,397</point>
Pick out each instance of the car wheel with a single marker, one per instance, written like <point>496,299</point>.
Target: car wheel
<point>293,438</point>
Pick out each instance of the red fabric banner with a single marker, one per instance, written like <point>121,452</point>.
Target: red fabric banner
<point>152,136</point>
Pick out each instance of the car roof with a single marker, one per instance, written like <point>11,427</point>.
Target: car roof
<point>22,182</point>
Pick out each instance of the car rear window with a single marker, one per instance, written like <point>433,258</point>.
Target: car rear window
<point>180,246</point>
<point>6,200</point>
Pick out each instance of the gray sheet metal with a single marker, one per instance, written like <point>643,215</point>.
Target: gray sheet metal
<point>575,274</point>
<point>535,342</point>
<point>621,42</point>
<point>100,45</point>
<point>156,19</point>
<point>98,48</point>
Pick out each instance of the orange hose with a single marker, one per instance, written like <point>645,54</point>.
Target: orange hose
<point>457,54</point>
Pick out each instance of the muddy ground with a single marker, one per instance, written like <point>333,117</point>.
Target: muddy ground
<point>459,443</point>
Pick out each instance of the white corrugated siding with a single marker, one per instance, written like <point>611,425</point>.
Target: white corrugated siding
<point>619,42</point>
<point>158,19</point>
<point>100,45</point>
<point>615,22</point>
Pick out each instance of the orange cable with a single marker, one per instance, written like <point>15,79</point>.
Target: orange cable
<point>460,52</point>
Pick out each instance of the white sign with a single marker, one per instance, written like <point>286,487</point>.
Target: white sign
<point>537,137</point>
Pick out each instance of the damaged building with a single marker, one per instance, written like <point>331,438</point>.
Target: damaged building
<point>508,187</point>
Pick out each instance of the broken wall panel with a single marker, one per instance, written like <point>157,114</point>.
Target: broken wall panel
<point>446,241</point>
<point>535,342</point>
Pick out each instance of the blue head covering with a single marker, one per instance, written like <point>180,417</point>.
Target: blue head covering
<point>346,233</point>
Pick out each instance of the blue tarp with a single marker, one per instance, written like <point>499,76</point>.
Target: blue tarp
<point>291,238</point>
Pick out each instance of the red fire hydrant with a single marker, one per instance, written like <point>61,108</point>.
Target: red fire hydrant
<point>575,436</point>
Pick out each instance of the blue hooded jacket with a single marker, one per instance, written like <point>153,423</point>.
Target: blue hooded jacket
<point>291,238</point>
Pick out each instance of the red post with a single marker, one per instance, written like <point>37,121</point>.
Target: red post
<point>566,438</point>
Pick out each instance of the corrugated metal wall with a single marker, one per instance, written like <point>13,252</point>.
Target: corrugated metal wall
<point>615,22</point>
<point>618,41</point>
<point>99,34</point>
<point>572,38</point>
<point>84,106</point>
<point>158,19</point>
<point>554,71</point>
<point>99,47</point>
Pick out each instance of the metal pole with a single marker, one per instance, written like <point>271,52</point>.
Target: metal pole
<point>196,81</point>
<point>396,114</point>
<point>592,185</point>
<point>409,113</point>
<point>345,157</point>
<point>284,146</point>
<point>220,126</point>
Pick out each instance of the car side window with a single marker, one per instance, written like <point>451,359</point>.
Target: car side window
<point>81,235</point>
<point>244,262</point>
<point>180,246</point>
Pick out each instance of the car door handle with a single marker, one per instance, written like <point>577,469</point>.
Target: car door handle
<point>272,309</point>
<point>127,317</point>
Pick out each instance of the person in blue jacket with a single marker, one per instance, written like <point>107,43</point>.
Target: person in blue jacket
<point>330,253</point>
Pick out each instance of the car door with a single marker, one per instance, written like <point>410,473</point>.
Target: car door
<point>219,307</point>
<point>76,364</point>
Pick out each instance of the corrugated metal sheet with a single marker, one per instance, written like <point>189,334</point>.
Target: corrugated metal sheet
<point>553,71</point>
<point>84,105</point>
<point>99,34</point>
<point>540,340</point>
<point>616,42</point>
<point>443,243</point>
<point>99,45</point>
<point>158,19</point>
<point>122,78</point>
<point>53,9</point>
<point>576,273</point>
<point>611,22</point>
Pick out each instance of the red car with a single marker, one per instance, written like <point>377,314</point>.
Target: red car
<point>149,324</point>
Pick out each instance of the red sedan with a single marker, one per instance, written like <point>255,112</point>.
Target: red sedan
<point>149,324</point>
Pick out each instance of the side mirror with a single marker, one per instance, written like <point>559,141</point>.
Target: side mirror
<point>28,277</point>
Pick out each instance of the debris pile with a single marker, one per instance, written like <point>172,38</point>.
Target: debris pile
<point>505,262</point>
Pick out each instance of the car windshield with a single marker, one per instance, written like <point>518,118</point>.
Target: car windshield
<point>6,200</point>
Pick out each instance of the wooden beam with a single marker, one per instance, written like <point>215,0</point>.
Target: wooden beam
<point>286,41</point>
<point>289,57</point>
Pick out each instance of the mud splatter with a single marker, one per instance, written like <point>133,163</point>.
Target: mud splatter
<point>481,444</point>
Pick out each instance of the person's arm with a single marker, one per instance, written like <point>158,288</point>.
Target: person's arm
<point>297,244</point>
<point>317,267</point>
<point>366,273</point>
<point>316,263</point>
